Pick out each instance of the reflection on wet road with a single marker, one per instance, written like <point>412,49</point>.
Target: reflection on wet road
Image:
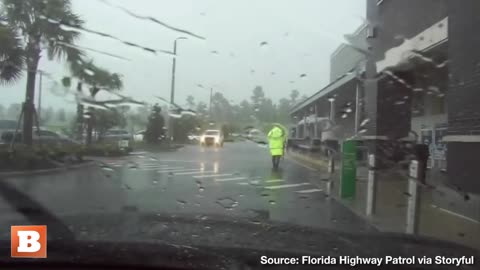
<point>235,181</point>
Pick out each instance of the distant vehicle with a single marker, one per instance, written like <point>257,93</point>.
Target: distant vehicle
<point>257,136</point>
<point>118,136</point>
<point>212,137</point>
<point>193,137</point>
<point>139,136</point>
<point>7,125</point>
<point>42,137</point>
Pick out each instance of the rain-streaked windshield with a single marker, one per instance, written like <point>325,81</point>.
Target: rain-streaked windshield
<point>306,127</point>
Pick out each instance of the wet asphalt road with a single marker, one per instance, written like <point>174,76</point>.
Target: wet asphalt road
<point>235,181</point>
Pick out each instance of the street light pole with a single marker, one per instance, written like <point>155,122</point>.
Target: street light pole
<point>210,105</point>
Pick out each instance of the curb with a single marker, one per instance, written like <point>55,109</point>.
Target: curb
<point>48,171</point>
<point>319,164</point>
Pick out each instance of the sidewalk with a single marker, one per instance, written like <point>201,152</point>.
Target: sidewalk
<point>391,206</point>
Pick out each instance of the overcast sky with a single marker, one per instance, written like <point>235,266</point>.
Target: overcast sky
<point>301,35</point>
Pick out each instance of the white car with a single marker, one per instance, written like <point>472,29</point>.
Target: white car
<point>212,137</point>
<point>139,136</point>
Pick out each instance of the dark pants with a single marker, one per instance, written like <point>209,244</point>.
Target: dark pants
<point>276,161</point>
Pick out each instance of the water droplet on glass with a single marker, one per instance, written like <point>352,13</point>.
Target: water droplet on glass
<point>348,110</point>
<point>400,102</point>
<point>272,202</point>
<point>303,76</point>
<point>106,168</point>
<point>154,182</point>
<point>89,72</point>
<point>344,115</point>
<point>227,203</point>
<point>264,44</point>
<point>364,122</point>
<point>363,130</point>
<point>265,194</point>
<point>125,186</point>
<point>181,202</point>
<point>201,189</point>
<point>214,52</point>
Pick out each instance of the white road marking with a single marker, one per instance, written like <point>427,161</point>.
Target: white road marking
<point>310,190</point>
<point>274,181</point>
<point>195,172</point>
<point>152,164</point>
<point>188,161</point>
<point>287,186</point>
<point>211,175</point>
<point>230,179</point>
<point>179,171</point>
<point>137,153</point>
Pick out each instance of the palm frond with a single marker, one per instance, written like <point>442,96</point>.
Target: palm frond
<point>12,58</point>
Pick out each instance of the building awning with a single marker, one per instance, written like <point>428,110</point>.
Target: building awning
<point>325,91</point>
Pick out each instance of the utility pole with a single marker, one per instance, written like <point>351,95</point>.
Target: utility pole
<point>210,105</point>
<point>172,89</point>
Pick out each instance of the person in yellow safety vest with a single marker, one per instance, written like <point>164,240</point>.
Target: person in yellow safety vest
<point>276,142</point>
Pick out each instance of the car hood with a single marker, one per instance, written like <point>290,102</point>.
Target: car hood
<point>197,230</point>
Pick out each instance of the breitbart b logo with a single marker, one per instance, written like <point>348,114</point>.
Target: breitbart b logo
<point>29,241</point>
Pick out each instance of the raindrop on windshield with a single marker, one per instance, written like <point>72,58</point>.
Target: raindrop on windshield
<point>181,202</point>
<point>227,203</point>
<point>272,202</point>
<point>154,182</point>
<point>348,110</point>
<point>364,122</point>
<point>89,72</point>
<point>201,189</point>
<point>106,168</point>
<point>345,115</point>
<point>400,102</point>
<point>264,44</point>
<point>303,76</point>
<point>214,52</point>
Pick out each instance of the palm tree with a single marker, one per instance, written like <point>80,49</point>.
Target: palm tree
<point>39,24</point>
<point>12,59</point>
<point>98,79</point>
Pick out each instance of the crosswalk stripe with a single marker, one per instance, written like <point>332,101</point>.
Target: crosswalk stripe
<point>287,186</point>
<point>138,153</point>
<point>179,171</point>
<point>154,169</point>
<point>274,181</point>
<point>211,175</point>
<point>309,190</point>
<point>230,179</point>
<point>153,165</point>
<point>195,172</point>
